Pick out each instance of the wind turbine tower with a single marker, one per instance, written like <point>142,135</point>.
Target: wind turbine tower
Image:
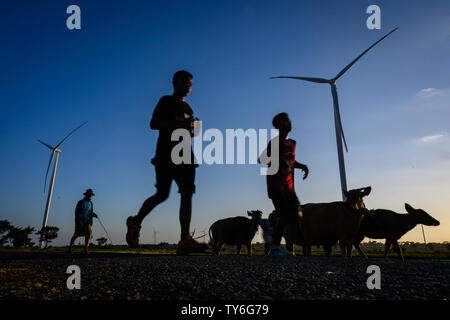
<point>53,157</point>
<point>154,235</point>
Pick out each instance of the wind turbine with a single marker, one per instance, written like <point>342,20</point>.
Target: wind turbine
<point>154,235</point>
<point>54,156</point>
<point>337,117</point>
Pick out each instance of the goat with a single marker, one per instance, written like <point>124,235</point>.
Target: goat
<point>236,231</point>
<point>389,225</point>
<point>328,223</point>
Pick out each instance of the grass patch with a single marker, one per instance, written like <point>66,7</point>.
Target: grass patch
<point>434,251</point>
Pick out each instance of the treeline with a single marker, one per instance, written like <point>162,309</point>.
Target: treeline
<point>17,237</point>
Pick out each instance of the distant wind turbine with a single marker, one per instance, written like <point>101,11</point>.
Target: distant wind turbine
<point>337,117</point>
<point>154,235</point>
<point>54,155</point>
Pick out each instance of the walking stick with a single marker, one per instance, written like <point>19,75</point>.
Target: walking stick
<point>98,218</point>
<point>192,235</point>
<point>200,236</point>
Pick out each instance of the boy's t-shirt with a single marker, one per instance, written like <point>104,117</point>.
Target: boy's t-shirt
<point>283,180</point>
<point>169,109</point>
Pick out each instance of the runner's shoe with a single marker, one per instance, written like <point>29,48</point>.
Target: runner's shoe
<point>189,245</point>
<point>132,236</point>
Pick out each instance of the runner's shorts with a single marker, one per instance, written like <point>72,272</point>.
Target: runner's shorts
<point>184,176</point>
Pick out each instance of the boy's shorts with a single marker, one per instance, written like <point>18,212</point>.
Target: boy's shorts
<point>83,230</point>
<point>184,176</point>
<point>287,205</point>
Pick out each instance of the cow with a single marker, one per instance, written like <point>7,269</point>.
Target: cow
<point>389,225</point>
<point>236,231</point>
<point>327,224</point>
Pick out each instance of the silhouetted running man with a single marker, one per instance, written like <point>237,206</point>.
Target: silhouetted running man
<point>280,186</point>
<point>84,212</point>
<point>171,113</point>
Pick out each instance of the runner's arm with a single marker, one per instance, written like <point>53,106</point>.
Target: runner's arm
<point>162,119</point>
<point>303,167</point>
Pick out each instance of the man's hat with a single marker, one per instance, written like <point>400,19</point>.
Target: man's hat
<point>89,192</point>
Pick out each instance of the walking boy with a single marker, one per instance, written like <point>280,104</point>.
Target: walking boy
<point>171,113</point>
<point>280,186</point>
<point>84,212</point>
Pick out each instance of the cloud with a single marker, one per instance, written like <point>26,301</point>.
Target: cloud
<point>431,138</point>
<point>429,92</point>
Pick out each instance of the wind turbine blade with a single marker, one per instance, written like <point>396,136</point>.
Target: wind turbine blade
<point>353,62</point>
<point>48,146</point>
<point>317,80</point>
<point>61,142</point>
<point>48,168</point>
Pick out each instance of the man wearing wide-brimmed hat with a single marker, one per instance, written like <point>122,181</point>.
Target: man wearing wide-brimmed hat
<point>84,212</point>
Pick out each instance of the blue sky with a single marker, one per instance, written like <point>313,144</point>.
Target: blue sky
<point>394,104</point>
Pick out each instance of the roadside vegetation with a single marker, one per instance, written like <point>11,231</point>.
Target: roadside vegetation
<point>374,249</point>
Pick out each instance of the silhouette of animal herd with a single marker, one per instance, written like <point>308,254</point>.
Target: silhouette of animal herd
<point>327,224</point>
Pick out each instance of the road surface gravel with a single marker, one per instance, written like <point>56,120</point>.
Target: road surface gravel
<point>228,277</point>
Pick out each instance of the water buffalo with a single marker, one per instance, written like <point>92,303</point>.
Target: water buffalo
<point>389,225</point>
<point>236,231</point>
<point>329,223</point>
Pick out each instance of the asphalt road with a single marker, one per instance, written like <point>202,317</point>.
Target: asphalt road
<point>229,277</point>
